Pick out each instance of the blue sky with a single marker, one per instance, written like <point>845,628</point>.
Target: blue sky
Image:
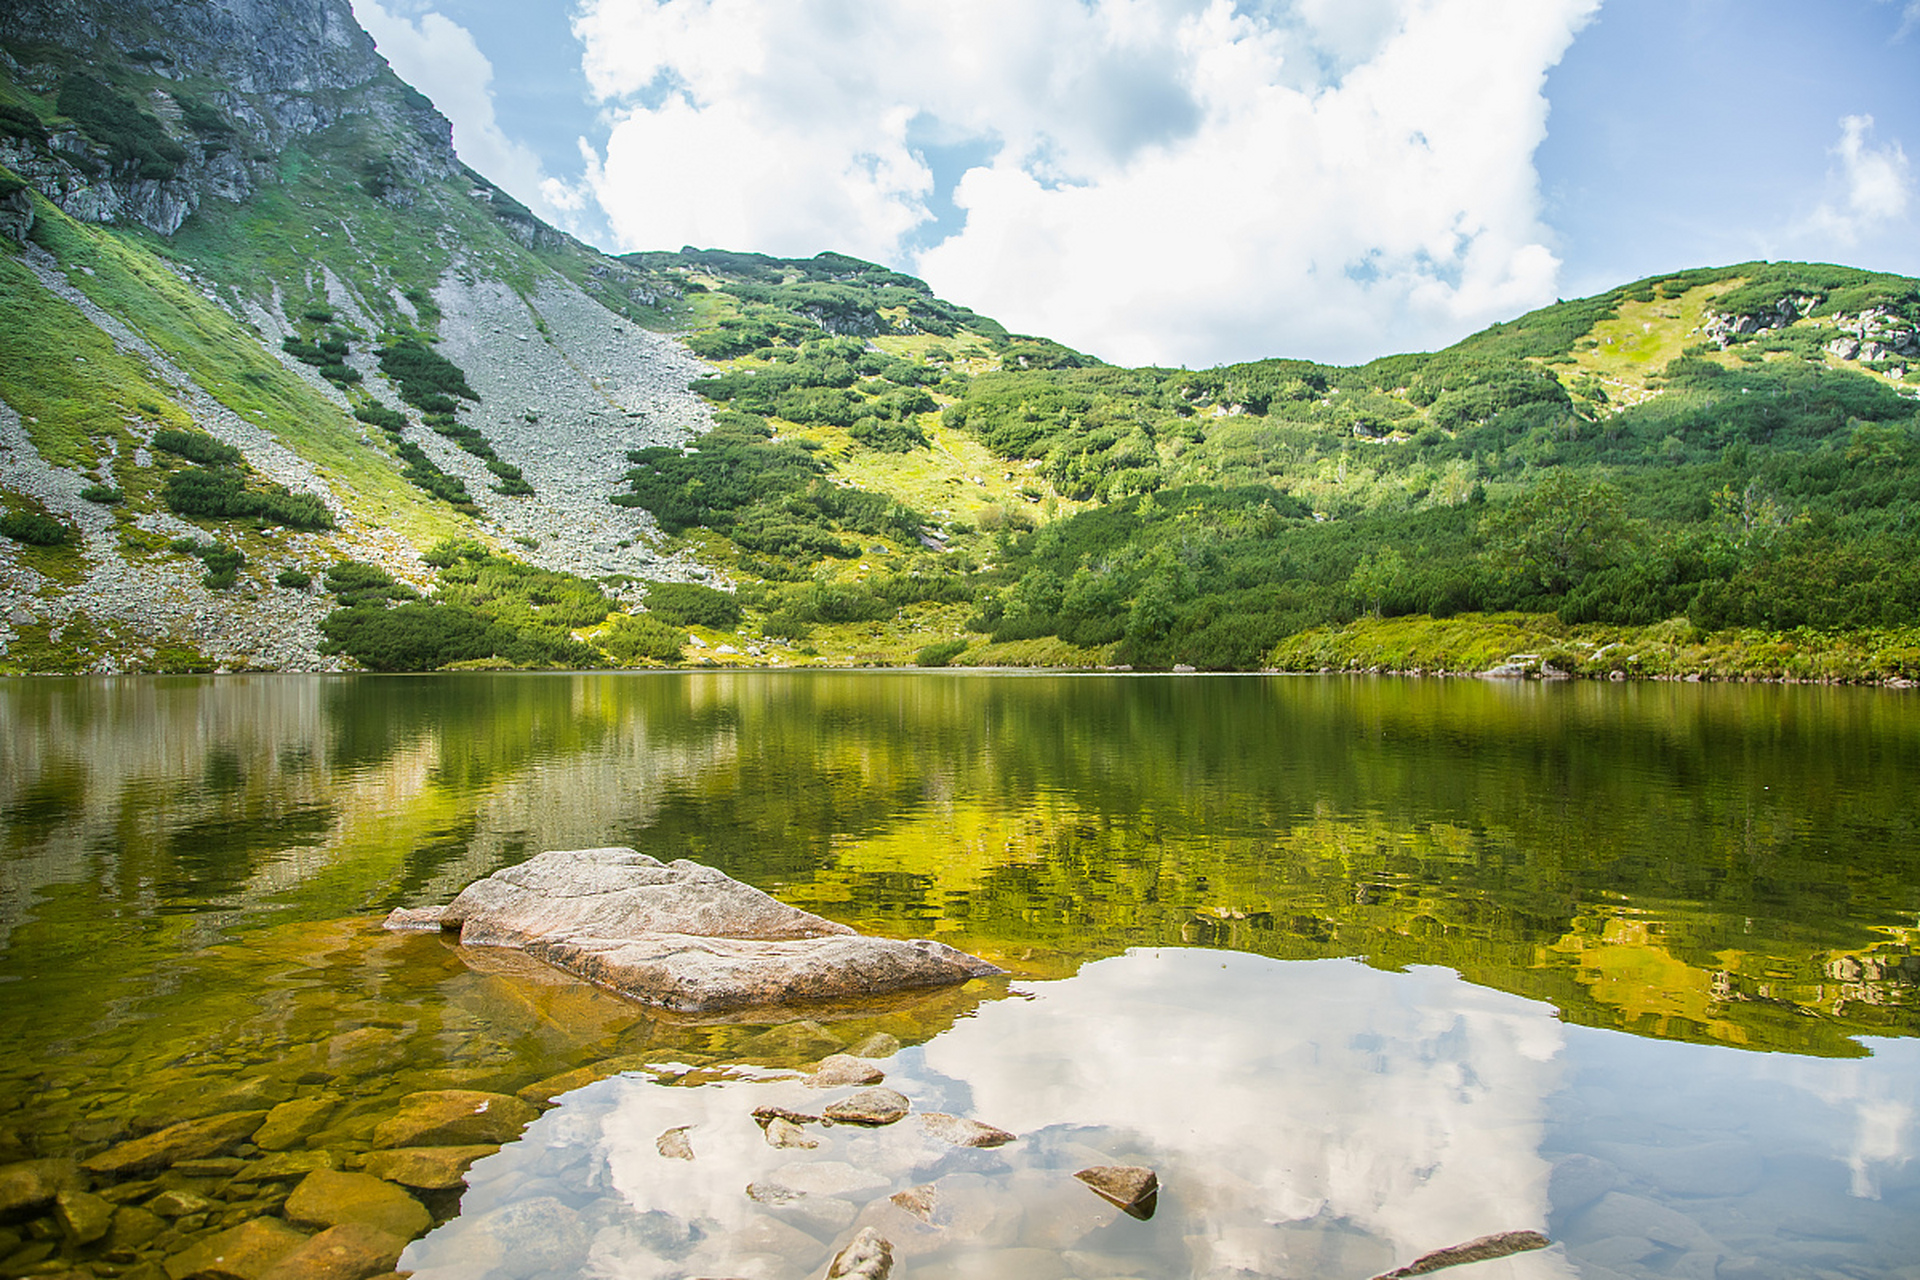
<point>1196,181</point>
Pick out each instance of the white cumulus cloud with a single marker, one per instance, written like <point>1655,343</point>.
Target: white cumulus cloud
<point>1150,180</point>
<point>1875,185</point>
<point>440,58</point>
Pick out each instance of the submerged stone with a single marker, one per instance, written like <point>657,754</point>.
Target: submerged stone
<point>674,1144</point>
<point>327,1198</point>
<point>180,1203</point>
<point>350,1251</point>
<point>881,1044</point>
<point>962,1132</point>
<point>83,1216</point>
<point>133,1227</point>
<point>33,1184</point>
<point>425,1168</point>
<point>292,1123</point>
<point>539,1236</point>
<point>544,1091</point>
<point>871,1107</point>
<point>284,1166</point>
<point>782,1132</point>
<point>682,935</point>
<point>803,1040</point>
<point>189,1140</point>
<point>247,1252</point>
<point>918,1201</point>
<point>454,1118</point>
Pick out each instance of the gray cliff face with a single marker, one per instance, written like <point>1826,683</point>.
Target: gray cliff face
<point>278,70</point>
<point>260,47</point>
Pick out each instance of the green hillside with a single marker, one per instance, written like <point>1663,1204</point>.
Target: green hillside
<point>304,359</point>
<point>1643,463</point>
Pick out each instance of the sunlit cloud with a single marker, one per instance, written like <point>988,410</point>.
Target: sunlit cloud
<point>1151,180</point>
<point>439,57</point>
<point>1875,183</point>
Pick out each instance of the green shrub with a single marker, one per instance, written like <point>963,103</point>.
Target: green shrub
<point>223,565</point>
<point>293,579</point>
<point>34,529</point>
<point>17,121</point>
<point>105,495</point>
<point>889,435</point>
<point>427,379</point>
<point>130,135</point>
<point>355,583</point>
<point>684,604</point>
<point>632,640</point>
<point>220,494</point>
<point>939,654</point>
<point>379,415</point>
<point>196,446</point>
<point>411,637</point>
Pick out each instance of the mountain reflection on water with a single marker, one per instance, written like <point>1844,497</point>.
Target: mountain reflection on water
<point>1734,864</point>
<point>1306,1119</point>
<point>192,871</point>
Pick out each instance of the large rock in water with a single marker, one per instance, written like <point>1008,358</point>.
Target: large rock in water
<point>681,935</point>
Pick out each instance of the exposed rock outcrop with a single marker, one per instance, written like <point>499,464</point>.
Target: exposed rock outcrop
<point>681,935</point>
<point>287,69</point>
<point>1878,333</point>
<point>1721,328</point>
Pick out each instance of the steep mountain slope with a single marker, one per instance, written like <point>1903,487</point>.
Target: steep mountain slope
<point>217,218</point>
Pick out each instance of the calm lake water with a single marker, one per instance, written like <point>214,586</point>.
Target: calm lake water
<point>1362,968</point>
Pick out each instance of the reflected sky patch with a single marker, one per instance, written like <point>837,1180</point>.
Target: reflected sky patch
<point>1305,1119</point>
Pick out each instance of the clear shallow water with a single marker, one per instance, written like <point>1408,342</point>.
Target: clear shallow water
<point>1709,895</point>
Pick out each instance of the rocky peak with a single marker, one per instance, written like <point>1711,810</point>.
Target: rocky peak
<point>196,100</point>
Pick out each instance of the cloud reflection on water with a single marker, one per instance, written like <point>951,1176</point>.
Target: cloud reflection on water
<point>1306,1119</point>
<point>1408,1105</point>
<point>1300,1116</point>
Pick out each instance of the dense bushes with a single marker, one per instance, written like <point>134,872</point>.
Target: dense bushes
<point>427,380</point>
<point>34,528</point>
<point>221,561</point>
<point>1235,506</point>
<point>221,494</point>
<point>217,489</point>
<point>631,641</point>
<point>131,136</point>
<point>769,497</point>
<point>688,605</point>
<point>411,637</point>
<point>419,470</point>
<point>328,355</point>
<point>488,607</point>
<point>196,446</point>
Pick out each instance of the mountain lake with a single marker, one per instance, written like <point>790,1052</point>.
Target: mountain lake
<point>1359,967</point>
